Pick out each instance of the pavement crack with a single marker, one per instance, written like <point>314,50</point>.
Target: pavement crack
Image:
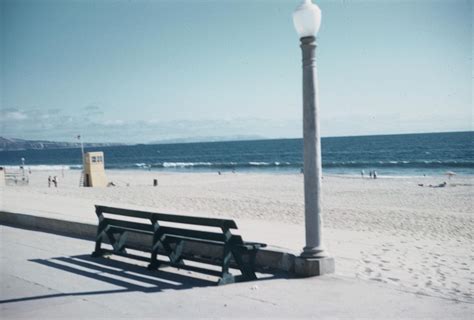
<point>257,299</point>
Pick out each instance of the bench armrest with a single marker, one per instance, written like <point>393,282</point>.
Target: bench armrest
<point>253,245</point>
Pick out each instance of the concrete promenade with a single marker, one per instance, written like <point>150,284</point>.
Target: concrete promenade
<point>47,276</point>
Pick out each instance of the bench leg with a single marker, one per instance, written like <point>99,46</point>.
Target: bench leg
<point>226,276</point>
<point>155,246</point>
<point>97,251</point>
<point>176,254</point>
<point>226,279</point>
<point>98,241</point>
<point>246,267</point>
<point>154,263</point>
<point>119,245</point>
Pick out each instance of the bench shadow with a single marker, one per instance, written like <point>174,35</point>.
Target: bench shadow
<point>127,276</point>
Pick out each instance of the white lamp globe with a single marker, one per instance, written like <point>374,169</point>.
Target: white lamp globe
<point>307,19</point>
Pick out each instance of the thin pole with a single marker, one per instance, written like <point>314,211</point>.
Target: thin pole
<point>82,151</point>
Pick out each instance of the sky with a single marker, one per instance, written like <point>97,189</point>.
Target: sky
<point>143,71</point>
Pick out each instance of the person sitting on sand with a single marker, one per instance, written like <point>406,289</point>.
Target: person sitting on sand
<point>441,185</point>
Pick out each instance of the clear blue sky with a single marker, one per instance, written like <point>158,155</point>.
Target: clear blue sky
<point>140,71</point>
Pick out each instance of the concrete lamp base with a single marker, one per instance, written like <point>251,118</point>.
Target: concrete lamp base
<point>310,267</point>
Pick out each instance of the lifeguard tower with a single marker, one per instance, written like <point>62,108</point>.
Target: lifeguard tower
<point>94,171</point>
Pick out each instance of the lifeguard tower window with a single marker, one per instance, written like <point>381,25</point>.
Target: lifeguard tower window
<point>97,159</point>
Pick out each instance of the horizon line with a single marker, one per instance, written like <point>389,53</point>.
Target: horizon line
<point>241,140</point>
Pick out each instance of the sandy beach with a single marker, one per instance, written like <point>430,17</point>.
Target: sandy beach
<point>389,230</point>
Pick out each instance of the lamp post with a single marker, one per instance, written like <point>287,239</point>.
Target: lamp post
<point>307,19</point>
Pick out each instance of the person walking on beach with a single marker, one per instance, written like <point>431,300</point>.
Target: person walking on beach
<point>49,182</point>
<point>375,174</point>
<point>362,174</point>
<point>370,174</point>
<point>55,181</point>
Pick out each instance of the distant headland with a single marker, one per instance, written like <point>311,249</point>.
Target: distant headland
<point>13,144</point>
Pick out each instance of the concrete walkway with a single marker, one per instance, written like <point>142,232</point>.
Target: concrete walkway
<point>49,276</point>
<point>278,235</point>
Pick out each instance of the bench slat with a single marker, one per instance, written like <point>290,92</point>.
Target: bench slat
<point>124,212</point>
<point>201,221</point>
<point>188,233</point>
<point>129,225</point>
<point>173,238</point>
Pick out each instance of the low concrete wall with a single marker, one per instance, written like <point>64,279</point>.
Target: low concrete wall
<point>268,259</point>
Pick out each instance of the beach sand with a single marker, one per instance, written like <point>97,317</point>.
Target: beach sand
<point>389,230</point>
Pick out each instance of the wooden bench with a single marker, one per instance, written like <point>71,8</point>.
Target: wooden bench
<point>170,238</point>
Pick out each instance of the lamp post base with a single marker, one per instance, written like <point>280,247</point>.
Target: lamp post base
<point>310,267</point>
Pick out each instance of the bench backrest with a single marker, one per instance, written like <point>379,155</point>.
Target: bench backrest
<point>224,224</point>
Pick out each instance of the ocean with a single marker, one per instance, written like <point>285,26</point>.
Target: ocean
<point>389,155</point>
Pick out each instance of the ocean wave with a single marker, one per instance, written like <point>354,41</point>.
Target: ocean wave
<point>222,165</point>
<point>141,165</point>
<point>185,164</point>
<point>225,164</point>
<point>43,167</point>
<point>259,163</point>
<point>285,164</point>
